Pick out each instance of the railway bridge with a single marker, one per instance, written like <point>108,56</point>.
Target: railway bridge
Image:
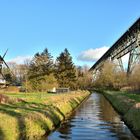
<point>128,43</point>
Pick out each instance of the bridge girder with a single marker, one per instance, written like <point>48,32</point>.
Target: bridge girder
<point>128,43</point>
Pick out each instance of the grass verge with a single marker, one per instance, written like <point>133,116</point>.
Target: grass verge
<point>33,115</point>
<point>128,105</point>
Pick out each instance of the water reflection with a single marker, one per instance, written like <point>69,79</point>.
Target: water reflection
<point>94,120</point>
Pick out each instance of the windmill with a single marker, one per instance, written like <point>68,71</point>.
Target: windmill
<point>2,61</point>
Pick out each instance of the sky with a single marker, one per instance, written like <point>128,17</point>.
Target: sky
<point>87,28</point>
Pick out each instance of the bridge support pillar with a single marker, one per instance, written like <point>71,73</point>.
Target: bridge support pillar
<point>95,74</point>
<point>120,64</point>
<point>134,57</point>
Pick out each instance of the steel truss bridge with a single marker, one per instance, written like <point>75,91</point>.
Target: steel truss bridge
<point>128,43</point>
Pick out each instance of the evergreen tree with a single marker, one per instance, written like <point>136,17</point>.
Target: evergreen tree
<point>42,64</point>
<point>40,73</point>
<point>65,71</point>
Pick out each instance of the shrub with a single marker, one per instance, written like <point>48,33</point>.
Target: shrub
<point>41,83</point>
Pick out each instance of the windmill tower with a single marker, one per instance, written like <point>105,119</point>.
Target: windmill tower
<point>2,61</point>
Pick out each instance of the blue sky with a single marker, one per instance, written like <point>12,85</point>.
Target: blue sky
<point>82,26</point>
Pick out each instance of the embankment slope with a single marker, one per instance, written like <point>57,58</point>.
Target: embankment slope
<point>23,119</point>
<point>128,106</point>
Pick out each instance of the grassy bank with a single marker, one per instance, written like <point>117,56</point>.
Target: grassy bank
<point>128,105</point>
<point>32,115</point>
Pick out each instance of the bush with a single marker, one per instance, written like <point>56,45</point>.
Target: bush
<point>134,78</point>
<point>41,83</point>
<point>12,89</point>
<point>110,77</point>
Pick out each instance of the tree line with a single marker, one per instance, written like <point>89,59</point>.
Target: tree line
<point>42,73</point>
<point>111,77</point>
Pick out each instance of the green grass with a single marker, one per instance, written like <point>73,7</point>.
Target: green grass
<point>37,114</point>
<point>31,97</point>
<point>133,96</point>
<point>125,103</point>
<point>130,95</point>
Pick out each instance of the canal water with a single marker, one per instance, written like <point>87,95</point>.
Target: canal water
<point>95,119</point>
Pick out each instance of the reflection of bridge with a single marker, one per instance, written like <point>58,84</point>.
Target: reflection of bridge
<point>128,43</point>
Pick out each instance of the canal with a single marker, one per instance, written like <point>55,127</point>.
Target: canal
<point>95,119</point>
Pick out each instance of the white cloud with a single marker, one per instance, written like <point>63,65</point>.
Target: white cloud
<point>20,59</point>
<point>92,54</point>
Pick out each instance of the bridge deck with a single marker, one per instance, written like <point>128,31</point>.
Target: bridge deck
<point>122,46</point>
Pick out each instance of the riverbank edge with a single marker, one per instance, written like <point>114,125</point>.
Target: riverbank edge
<point>40,121</point>
<point>127,108</point>
<point>67,115</point>
<point>70,106</point>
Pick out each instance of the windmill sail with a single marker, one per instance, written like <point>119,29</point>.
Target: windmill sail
<point>2,61</point>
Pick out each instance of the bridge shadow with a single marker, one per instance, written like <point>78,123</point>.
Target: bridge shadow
<point>2,136</point>
<point>19,118</point>
<point>53,113</point>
